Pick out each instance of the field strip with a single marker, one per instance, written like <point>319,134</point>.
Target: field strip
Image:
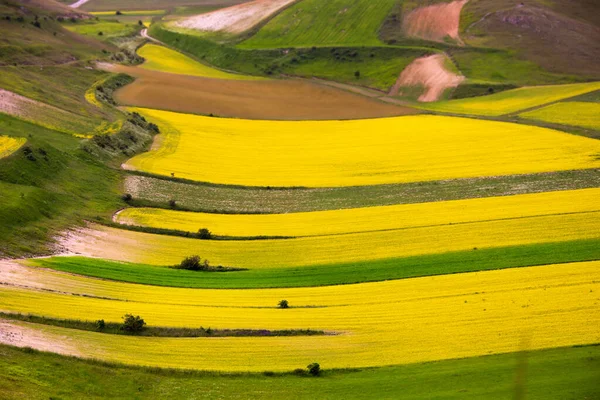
<point>122,245</point>
<point>528,303</point>
<point>366,219</point>
<point>227,199</point>
<point>435,22</point>
<point>20,277</point>
<point>511,101</point>
<point>356,153</point>
<point>9,145</point>
<point>581,114</point>
<point>330,274</point>
<point>160,58</point>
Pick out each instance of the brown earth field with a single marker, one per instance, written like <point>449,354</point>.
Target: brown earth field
<point>293,99</point>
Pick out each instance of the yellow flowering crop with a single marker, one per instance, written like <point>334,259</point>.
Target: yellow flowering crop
<point>512,101</point>
<point>116,244</point>
<point>367,219</point>
<point>360,152</point>
<point>9,145</point>
<point>406,321</point>
<point>160,58</point>
<point>585,115</point>
<point>127,13</point>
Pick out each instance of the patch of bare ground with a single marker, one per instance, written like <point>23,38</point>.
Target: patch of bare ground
<point>22,334</point>
<point>555,41</point>
<point>436,22</point>
<point>292,99</point>
<point>431,74</point>
<point>235,19</point>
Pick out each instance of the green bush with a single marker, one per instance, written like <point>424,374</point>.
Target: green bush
<point>194,263</point>
<point>314,369</point>
<point>204,234</point>
<point>283,304</point>
<point>132,324</point>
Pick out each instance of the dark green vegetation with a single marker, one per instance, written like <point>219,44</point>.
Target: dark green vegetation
<point>157,192</point>
<point>561,374</point>
<point>155,331</point>
<point>334,274</point>
<point>379,66</point>
<point>195,263</point>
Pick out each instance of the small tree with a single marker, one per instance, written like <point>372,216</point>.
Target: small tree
<point>132,324</point>
<point>140,23</point>
<point>283,304</point>
<point>118,13</point>
<point>357,74</point>
<point>100,325</point>
<point>314,369</point>
<point>194,263</point>
<point>100,33</point>
<point>127,197</point>
<point>172,203</point>
<point>204,233</point>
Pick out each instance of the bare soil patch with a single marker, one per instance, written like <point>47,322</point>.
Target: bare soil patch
<point>24,335</point>
<point>430,73</point>
<point>235,19</point>
<point>269,99</point>
<point>435,22</point>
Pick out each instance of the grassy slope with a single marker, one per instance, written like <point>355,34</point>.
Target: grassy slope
<point>378,66</point>
<point>43,196</point>
<point>564,373</point>
<point>356,272</point>
<point>318,23</point>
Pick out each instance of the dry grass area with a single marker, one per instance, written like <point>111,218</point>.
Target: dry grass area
<point>267,99</point>
<point>435,22</point>
<point>430,73</point>
<point>235,19</point>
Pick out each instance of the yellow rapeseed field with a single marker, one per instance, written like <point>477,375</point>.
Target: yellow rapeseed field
<point>512,101</point>
<point>431,318</point>
<point>159,58</point>
<point>367,219</point>
<point>360,152</point>
<point>9,145</point>
<point>116,244</point>
<point>585,115</point>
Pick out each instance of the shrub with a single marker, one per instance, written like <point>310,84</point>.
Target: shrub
<point>283,304</point>
<point>100,33</point>
<point>172,203</point>
<point>314,369</point>
<point>194,263</point>
<point>299,371</point>
<point>357,74</point>
<point>127,197</point>
<point>204,233</point>
<point>118,13</point>
<point>100,325</point>
<point>140,23</point>
<point>132,324</point>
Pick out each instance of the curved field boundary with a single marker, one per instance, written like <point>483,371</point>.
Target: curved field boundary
<point>9,145</point>
<point>512,101</point>
<point>324,23</point>
<point>331,274</point>
<point>572,113</point>
<point>366,219</point>
<point>124,245</point>
<point>157,192</point>
<point>435,22</point>
<point>358,153</point>
<point>236,19</point>
<point>435,319</point>
<point>160,58</point>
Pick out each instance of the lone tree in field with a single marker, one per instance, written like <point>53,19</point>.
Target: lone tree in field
<point>132,324</point>
<point>357,74</point>
<point>140,23</point>
<point>283,304</point>
<point>314,369</point>
<point>194,263</point>
<point>204,233</point>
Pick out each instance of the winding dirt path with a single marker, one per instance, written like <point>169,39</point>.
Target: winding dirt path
<point>430,73</point>
<point>22,334</point>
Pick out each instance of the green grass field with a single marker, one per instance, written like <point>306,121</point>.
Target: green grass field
<point>317,23</point>
<point>564,373</point>
<point>333,274</point>
<point>105,29</point>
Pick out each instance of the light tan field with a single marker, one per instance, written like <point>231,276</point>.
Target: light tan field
<point>435,22</point>
<point>431,74</point>
<point>266,99</point>
<point>235,19</point>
